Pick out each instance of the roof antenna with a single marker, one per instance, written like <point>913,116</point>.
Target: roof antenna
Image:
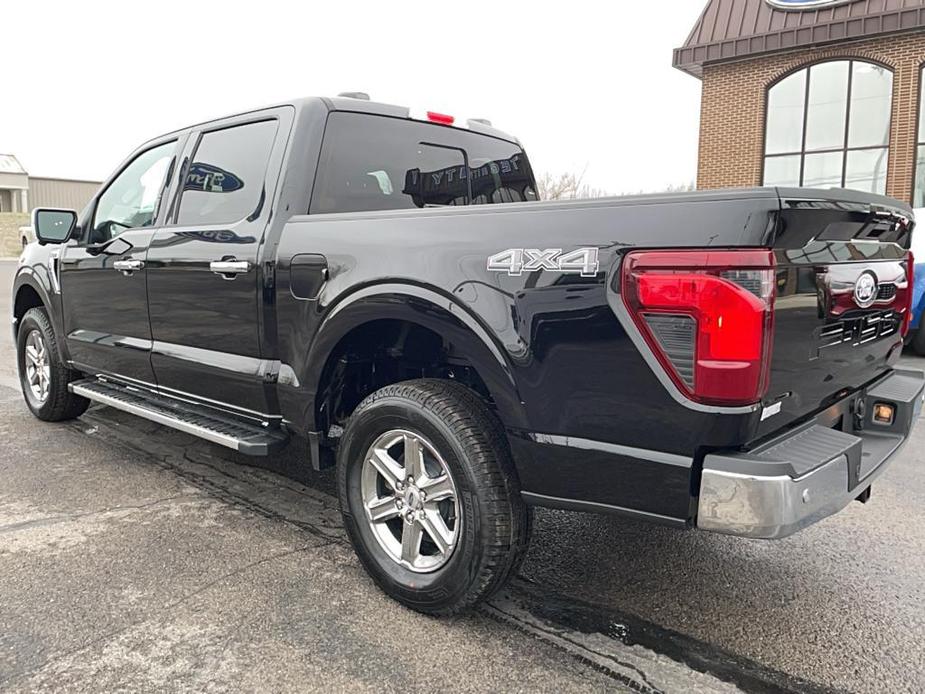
<point>355,95</point>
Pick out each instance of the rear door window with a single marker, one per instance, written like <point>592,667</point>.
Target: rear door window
<point>225,182</point>
<point>381,163</point>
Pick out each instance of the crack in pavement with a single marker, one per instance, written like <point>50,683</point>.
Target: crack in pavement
<point>166,460</point>
<point>65,517</point>
<point>575,649</point>
<point>620,633</point>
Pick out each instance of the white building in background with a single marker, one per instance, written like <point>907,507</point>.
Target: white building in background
<point>20,192</point>
<point>14,185</point>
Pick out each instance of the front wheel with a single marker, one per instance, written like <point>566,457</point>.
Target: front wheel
<point>43,376</point>
<point>429,495</point>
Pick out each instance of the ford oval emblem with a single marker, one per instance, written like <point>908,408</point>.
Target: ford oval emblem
<point>208,178</point>
<point>865,290</point>
<point>805,4</point>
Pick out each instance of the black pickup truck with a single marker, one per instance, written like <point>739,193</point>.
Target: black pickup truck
<point>388,288</point>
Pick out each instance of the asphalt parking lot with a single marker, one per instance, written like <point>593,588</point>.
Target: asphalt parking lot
<point>135,557</point>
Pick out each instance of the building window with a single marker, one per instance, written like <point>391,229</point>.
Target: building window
<point>918,195</point>
<point>828,125</point>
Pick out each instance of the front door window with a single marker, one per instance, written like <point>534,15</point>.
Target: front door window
<point>131,199</point>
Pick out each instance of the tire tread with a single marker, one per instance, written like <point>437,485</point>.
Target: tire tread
<point>63,403</point>
<point>506,519</point>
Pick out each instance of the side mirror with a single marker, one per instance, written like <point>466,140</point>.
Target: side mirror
<point>53,226</point>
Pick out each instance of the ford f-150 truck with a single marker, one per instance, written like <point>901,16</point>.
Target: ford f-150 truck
<point>388,287</point>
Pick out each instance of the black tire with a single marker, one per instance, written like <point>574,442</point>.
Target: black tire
<point>495,522</point>
<point>918,341</point>
<point>60,404</point>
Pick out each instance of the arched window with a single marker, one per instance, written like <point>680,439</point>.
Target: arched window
<point>828,125</point>
<point>918,195</point>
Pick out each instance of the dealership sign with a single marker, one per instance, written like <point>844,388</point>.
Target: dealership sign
<point>805,4</point>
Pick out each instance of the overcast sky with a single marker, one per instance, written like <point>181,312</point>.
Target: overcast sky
<point>585,85</point>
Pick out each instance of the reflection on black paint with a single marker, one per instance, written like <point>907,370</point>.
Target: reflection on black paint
<point>220,236</point>
<point>208,236</point>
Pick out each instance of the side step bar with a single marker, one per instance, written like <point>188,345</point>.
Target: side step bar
<point>245,437</point>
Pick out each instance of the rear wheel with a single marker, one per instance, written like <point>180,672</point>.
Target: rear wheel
<point>429,495</point>
<point>43,376</point>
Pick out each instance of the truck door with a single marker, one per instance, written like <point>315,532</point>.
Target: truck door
<point>204,276</point>
<point>102,272</point>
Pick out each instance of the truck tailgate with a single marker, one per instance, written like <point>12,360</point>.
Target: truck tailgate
<point>842,296</point>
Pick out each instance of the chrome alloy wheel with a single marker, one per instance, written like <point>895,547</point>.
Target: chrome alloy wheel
<point>38,369</point>
<point>410,500</point>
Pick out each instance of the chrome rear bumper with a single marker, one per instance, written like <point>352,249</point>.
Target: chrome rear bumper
<point>808,473</point>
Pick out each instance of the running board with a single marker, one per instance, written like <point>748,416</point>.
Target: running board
<point>245,437</point>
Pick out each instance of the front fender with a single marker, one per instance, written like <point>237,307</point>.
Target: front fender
<point>420,306</point>
<point>37,276</point>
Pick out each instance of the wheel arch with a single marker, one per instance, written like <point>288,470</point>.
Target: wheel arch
<point>29,292</point>
<point>422,309</point>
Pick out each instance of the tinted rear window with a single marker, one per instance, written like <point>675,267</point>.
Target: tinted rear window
<point>381,163</point>
<point>224,183</point>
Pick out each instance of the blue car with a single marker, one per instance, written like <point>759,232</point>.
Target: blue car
<point>917,333</point>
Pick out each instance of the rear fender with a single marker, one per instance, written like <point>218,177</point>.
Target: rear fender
<point>427,309</point>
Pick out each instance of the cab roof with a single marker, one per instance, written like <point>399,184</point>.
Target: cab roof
<point>360,105</point>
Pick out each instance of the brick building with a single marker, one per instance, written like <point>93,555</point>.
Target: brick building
<point>822,93</point>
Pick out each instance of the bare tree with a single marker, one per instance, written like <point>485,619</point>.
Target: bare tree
<point>681,187</point>
<point>570,186</point>
<point>566,186</point>
<point>670,188</point>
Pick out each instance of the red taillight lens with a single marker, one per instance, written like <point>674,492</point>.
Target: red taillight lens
<point>441,118</point>
<point>910,292</point>
<point>708,318</point>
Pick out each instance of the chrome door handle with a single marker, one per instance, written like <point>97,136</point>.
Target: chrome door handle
<point>127,267</point>
<point>229,269</point>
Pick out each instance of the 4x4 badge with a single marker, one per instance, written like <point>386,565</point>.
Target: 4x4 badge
<point>516,261</point>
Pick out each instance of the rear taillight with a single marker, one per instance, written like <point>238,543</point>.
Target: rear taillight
<point>708,317</point>
<point>910,292</point>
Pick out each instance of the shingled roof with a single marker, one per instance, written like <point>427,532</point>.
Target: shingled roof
<point>735,29</point>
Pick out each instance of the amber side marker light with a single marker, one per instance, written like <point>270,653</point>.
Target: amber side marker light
<point>883,413</point>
